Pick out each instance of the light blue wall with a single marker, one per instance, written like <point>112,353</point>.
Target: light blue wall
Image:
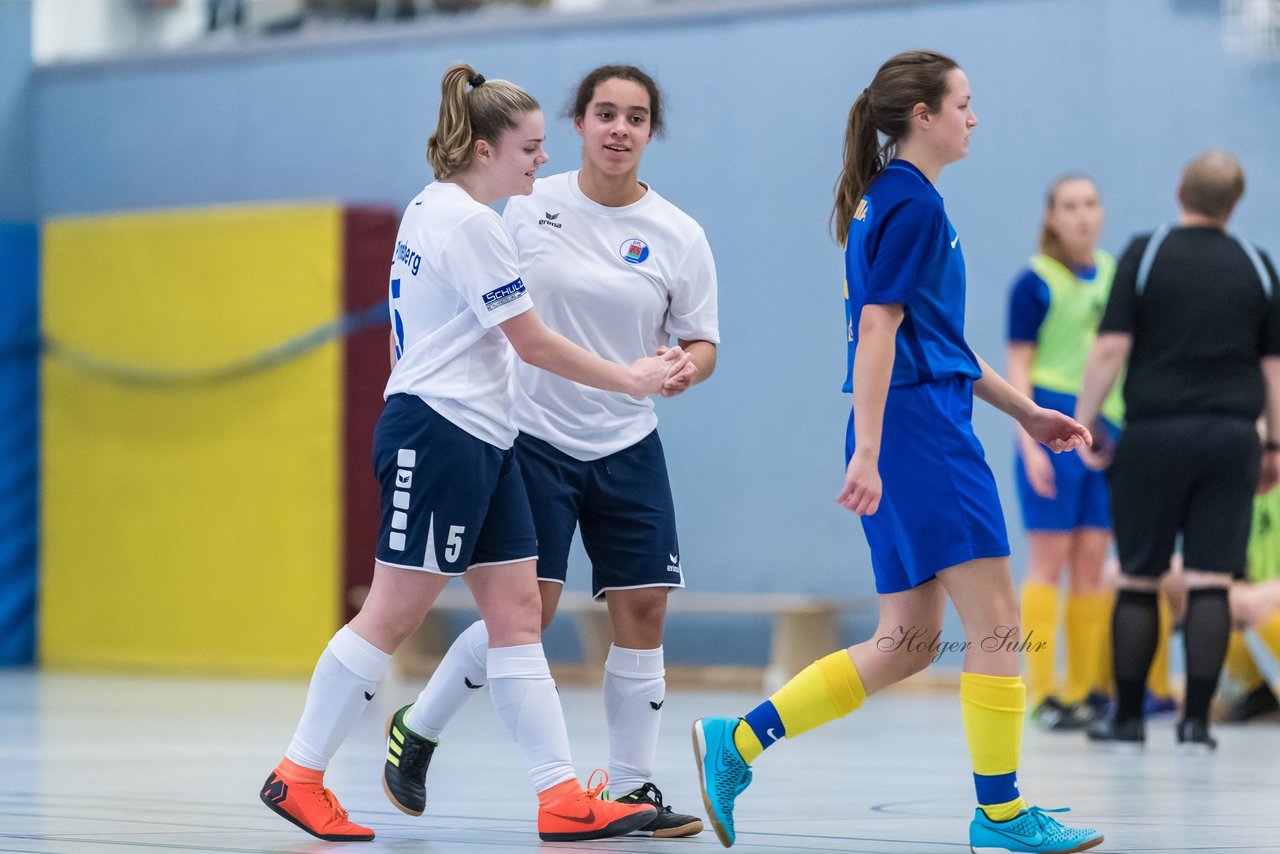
<point>1126,90</point>
<point>17,168</point>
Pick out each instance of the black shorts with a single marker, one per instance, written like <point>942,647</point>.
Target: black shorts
<point>621,502</point>
<point>450,501</point>
<point>1193,475</point>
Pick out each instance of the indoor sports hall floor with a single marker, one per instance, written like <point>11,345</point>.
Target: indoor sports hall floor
<point>107,764</point>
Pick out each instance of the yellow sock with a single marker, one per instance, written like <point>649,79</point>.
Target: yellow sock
<point>1084,632</point>
<point>1040,624</point>
<point>1158,677</point>
<point>992,708</point>
<point>1240,665</point>
<point>829,688</point>
<point>1269,631</point>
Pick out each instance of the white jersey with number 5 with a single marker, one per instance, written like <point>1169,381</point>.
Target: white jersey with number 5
<point>619,282</point>
<point>453,280</point>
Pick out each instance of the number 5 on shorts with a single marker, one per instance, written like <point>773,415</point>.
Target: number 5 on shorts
<point>453,542</point>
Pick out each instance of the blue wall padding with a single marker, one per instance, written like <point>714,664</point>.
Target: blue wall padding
<point>19,442</point>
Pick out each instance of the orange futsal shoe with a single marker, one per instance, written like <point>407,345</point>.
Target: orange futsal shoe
<point>568,814</point>
<point>298,795</point>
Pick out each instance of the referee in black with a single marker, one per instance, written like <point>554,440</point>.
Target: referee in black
<point>1195,312</point>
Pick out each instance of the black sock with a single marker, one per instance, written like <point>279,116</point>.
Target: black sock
<point>1205,631</point>
<point>1135,631</point>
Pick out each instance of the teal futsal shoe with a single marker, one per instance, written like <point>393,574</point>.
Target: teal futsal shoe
<point>721,771</point>
<point>1031,830</point>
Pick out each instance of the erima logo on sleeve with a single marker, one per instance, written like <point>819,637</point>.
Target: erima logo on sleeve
<point>499,297</point>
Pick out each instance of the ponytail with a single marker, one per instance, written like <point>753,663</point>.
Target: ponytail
<point>884,109</point>
<point>472,108</point>
<point>863,159</point>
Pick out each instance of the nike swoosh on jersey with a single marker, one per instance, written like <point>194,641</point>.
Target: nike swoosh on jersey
<point>955,241</point>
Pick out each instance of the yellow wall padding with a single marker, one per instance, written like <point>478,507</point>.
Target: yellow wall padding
<point>191,529</point>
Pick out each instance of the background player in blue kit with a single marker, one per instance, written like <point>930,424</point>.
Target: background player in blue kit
<point>453,501</point>
<point>622,270</point>
<point>916,472</point>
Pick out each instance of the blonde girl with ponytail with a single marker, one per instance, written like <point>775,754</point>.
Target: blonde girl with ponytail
<point>453,501</point>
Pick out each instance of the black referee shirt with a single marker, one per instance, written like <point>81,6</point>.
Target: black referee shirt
<point>1199,327</point>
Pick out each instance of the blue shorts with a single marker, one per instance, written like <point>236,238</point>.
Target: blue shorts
<point>1082,501</point>
<point>939,506</point>
<point>450,501</point>
<point>622,504</point>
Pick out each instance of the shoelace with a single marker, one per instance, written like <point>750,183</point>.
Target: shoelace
<point>414,756</point>
<point>1049,826</point>
<point>332,799</point>
<point>651,793</point>
<point>594,790</point>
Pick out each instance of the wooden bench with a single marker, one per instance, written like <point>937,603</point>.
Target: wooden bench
<point>804,629</point>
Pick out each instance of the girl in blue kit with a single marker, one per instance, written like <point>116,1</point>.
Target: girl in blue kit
<point>916,473</point>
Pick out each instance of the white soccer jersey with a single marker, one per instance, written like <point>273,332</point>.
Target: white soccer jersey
<point>453,280</point>
<point>619,282</point>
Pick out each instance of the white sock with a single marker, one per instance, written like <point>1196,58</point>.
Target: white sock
<point>635,688</point>
<point>345,680</point>
<point>524,696</point>
<point>461,672</point>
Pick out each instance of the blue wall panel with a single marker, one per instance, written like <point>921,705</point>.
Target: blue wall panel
<point>19,438</point>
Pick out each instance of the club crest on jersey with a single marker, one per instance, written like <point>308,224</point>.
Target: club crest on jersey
<point>634,251</point>
<point>499,297</point>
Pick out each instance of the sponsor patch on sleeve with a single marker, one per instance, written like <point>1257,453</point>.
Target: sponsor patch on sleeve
<point>499,297</point>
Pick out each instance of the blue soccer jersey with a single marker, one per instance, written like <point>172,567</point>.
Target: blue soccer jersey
<point>901,248</point>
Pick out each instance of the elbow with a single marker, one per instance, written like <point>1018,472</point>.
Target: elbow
<point>706,367</point>
<point>530,352</point>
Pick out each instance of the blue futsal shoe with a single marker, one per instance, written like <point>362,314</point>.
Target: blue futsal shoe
<point>721,771</point>
<point>1031,830</point>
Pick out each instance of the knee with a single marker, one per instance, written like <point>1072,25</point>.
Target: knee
<point>648,610</point>
<point>638,617</point>
<point>386,628</point>
<point>516,619</point>
<point>1006,610</point>
<point>917,663</point>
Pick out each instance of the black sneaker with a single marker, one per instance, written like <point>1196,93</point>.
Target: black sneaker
<point>1054,715</point>
<point>1193,737</point>
<point>1261,702</point>
<point>1112,731</point>
<point>404,774</point>
<point>666,824</point>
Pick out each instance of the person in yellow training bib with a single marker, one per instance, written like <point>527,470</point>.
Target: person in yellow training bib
<point>1055,304</point>
<point>916,472</point>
